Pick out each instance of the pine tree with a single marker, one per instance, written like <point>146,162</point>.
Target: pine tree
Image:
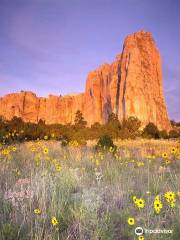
<point>79,120</point>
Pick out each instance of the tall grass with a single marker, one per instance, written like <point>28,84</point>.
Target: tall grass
<point>90,193</point>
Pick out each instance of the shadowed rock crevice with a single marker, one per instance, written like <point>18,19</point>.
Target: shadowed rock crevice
<point>124,88</point>
<point>118,91</point>
<point>107,109</point>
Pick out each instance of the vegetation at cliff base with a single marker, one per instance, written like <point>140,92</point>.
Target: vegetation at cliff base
<point>17,130</point>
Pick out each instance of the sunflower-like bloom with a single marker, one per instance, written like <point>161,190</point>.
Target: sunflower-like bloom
<point>167,162</point>
<point>5,152</point>
<point>45,150</point>
<point>170,196</point>
<point>164,155</point>
<point>141,238</point>
<point>58,167</point>
<point>37,211</point>
<point>157,205</point>
<point>14,149</point>
<point>139,202</point>
<point>173,150</point>
<point>54,221</point>
<point>134,199</point>
<point>131,221</point>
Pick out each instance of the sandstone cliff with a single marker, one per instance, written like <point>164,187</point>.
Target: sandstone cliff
<point>130,86</point>
<point>30,108</point>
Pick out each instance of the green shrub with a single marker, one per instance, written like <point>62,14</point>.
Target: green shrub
<point>105,142</point>
<point>64,141</point>
<point>130,128</point>
<point>151,131</point>
<point>174,134</point>
<point>163,134</point>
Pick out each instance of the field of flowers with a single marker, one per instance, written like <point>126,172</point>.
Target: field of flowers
<point>50,192</point>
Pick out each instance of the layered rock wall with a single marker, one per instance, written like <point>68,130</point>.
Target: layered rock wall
<point>30,108</point>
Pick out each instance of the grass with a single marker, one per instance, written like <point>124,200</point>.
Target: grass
<point>88,193</point>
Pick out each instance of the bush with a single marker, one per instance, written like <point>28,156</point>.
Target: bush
<point>151,131</point>
<point>163,134</point>
<point>105,142</point>
<point>174,134</point>
<point>130,128</point>
<point>64,141</point>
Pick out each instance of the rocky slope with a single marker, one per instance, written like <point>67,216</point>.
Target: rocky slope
<point>130,86</point>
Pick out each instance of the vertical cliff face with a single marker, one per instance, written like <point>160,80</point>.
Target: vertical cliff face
<point>60,109</point>
<point>130,86</point>
<point>141,92</point>
<point>24,105</point>
<point>101,92</point>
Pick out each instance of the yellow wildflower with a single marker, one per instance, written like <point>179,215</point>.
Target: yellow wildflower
<point>140,203</point>
<point>134,199</point>
<point>14,149</point>
<point>37,211</point>
<point>178,194</point>
<point>157,205</point>
<point>45,150</point>
<point>54,221</point>
<point>168,162</point>
<point>131,221</point>
<point>140,164</point>
<point>172,203</point>
<point>111,149</point>
<point>170,196</point>
<point>164,155</point>
<point>17,172</point>
<point>141,238</point>
<point>58,167</point>
<point>173,150</point>
<point>157,198</point>
<point>97,162</point>
<point>5,152</point>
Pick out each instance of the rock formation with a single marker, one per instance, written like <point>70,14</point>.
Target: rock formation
<point>130,86</point>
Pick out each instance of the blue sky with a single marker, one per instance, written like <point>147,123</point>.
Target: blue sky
<point>49,46</point>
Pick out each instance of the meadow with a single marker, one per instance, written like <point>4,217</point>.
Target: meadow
<point>50,192</point>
